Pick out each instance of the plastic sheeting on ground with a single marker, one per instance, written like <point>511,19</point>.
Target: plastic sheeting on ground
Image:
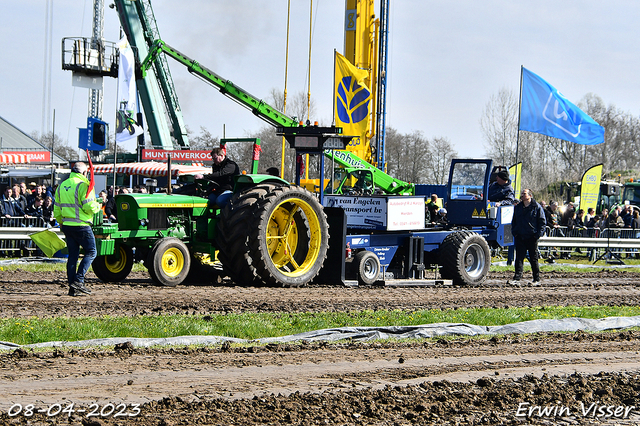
<point>572,265</point>
<point>368,333</point>
<point>35,259</point>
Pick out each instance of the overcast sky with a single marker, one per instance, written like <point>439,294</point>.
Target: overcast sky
<point>446,59</point>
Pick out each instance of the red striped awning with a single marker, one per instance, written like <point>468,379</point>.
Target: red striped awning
<point>151,169</point>
<point>14,158</point>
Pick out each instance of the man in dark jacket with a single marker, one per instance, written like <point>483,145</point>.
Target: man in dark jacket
<point>501,190</point>
<point>222,172</point>
<point>527,226</point>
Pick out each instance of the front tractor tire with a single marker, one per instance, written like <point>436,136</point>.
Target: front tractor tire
<point>465,258</point>
<point>115,267</point>
<point>169,262</point>
<point>273,235</point>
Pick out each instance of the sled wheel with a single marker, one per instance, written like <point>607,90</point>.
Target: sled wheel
<point>273,235</point>
<point>368,267</point>
<point>169,262</point>
<point>465,258</point>
<point>114,267</point>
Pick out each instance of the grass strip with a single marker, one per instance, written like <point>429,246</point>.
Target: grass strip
<point>25,331</point>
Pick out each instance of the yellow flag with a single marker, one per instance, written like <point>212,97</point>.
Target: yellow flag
<point>515,174</point>
<point>590,188</point>
<point>48,241</point>
<point>352,98</point>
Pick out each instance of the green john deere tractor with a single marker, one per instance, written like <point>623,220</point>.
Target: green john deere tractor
<point>272,233</point>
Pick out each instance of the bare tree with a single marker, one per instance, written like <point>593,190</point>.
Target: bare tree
<point>499,124</point>
<point>394,151</point>
<point>440,155</point>
<point>543,158</point>
<point>276,99</point>
<point>271,152</point>
<point>619,150</point>
<point>204,140</point>
<point>297,104</point>
<point>417,164</point>
<point>407,156</point>
<point>60,147</point>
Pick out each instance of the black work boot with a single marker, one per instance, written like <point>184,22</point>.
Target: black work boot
<point>74,293</point>
<point>79,287</point>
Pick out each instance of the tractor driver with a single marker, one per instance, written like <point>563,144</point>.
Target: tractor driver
<point>501,190</point>
<point>222,172</point>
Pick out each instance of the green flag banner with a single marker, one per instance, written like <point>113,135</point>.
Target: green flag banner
<point>48,241</point>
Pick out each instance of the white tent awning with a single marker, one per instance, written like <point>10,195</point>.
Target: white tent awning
<point>14,159</point>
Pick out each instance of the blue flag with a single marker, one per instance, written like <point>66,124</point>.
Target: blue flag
<point>545,110</point>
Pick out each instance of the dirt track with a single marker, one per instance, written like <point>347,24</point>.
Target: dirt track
<point>479,381</point>
<point>27,294</point>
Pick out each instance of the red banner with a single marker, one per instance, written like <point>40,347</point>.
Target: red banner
<point>33,156</point>
<point>92,180</point>
<point>177,156</point>
<point>256,152</point>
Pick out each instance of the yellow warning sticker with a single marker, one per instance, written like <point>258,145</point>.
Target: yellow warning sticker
<point>477,215</point>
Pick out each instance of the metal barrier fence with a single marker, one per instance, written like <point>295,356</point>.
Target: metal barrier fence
<point>14,236</point>
<point>557,242</point>
<point>561,241</point>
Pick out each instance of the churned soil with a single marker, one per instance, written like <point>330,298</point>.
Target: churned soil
<point>26,294</point>
<point>544,378</point>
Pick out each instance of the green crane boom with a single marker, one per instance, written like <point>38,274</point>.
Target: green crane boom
<point>352,162</point>
<point>226,87</point>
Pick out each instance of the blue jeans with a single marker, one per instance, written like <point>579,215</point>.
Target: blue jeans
<point>76,237</point>
<point>220,199</point>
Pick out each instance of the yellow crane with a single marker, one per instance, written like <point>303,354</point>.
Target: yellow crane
<point>361,49</point>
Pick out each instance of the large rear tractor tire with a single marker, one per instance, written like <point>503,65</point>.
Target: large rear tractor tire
<point>116,267</point>
<point>465,258</point>
<point>169,262</point>
<point>273,235</point>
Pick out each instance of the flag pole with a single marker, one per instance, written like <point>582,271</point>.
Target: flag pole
<point>53,139</point>
<point>284,103</point>
<point>333,115</point>
<point>518,129</point>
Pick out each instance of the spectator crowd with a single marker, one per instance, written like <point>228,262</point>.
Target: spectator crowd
<point>622,216</point>
<point>32,204</point>
<point>31,201</point>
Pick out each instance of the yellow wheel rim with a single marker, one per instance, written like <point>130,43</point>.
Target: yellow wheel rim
<point>284,237</point>
<point>172,262</point>
<point>116,264</point>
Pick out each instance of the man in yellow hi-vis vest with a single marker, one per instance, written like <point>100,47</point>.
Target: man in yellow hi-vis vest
<point>75,205</point>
